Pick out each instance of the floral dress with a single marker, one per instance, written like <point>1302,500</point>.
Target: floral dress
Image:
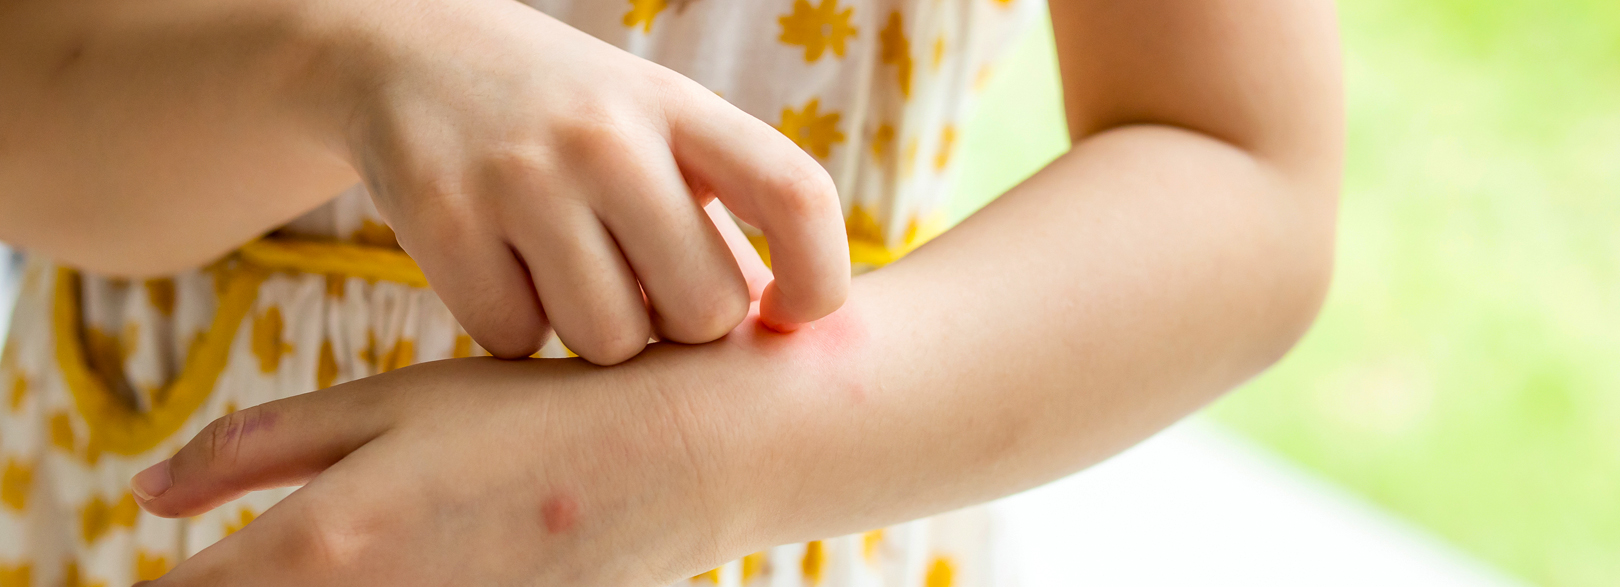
<point>102,377</point>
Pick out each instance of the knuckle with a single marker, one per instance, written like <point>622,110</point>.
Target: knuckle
<point>331,544</point>
<point>222,440</point>
<point>803,190</point>
<point>708,321</point>
<point>613,346</point>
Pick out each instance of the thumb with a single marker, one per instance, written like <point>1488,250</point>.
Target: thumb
<point>278,444</point>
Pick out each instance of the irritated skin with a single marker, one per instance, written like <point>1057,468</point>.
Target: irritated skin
<point>1182,246</point>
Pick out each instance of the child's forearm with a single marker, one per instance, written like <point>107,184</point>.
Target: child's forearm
<point>1131,282</point>
<point>138,137</point>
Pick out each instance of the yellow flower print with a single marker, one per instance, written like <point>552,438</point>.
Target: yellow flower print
<point>882,140</point>
<point>368,355</point>
<point>21,575</point>
<point>814,560</point>
<point>244,517</point>
<point>860,226</point>
<point>896,51</point>
<point>941,573</point>
<point>326,366</point>
<point>870,542</point>
<point>16,484</point>
<point>160,292</point>
<point>402,355</point>
<point>62,432</point>
<point>712,576</point>
<point>817,28</point>
<point>267,345</point>
<point>375,234</point>
<point>463,347</point>
<point>71,578</point>
<point>96,518</point>
<point>939,52</point>
<point>811,130</point>
<point>148,567</point>
<point>752,566</point>
<point>947,144</point>
<point>908,159</point>
<point>19,391</point>
<point>643,12</point>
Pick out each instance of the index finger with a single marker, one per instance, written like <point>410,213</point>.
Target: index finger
<point>769,182</point>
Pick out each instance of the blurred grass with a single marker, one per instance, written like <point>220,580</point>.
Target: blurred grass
<point>1465,372</point>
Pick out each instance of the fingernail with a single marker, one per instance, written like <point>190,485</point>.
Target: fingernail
<point>152,482</point>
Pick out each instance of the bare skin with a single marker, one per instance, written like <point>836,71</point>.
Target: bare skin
<point>532,202</point>
<point>1181,246</point>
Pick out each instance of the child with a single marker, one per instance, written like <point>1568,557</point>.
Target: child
<point>543,177</point>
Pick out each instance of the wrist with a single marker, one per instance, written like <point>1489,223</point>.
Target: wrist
<point>780,416</point>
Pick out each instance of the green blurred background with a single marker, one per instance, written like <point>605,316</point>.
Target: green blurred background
<point>1465,373</point>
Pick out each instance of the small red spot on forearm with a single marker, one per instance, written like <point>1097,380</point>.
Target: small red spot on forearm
<point>559,513</point>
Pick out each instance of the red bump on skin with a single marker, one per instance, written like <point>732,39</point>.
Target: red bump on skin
<point>833,342</point>
<point>559,513</point>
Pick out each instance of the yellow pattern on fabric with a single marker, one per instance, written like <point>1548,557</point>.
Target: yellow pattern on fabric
<point>941,573</point>
<point>62,432</point>
<point>266,341</point>
<point>402,355</point>
<point>711,575</point>
<point>72,578</point>
<point>148,567</point>
<point>817,28</point>
<point>330,258</point>
<point>375,234</point>
<point>811,130</point>
<point>896,50</point>
<point>752,566</point>
<point>939,52</point>
<point>244,517</point>
<point>814,560</point>
<point>947,145</point>
<point>326,367</point>
<point>19,575</point>
<point>861,226</point>
<point>870,542</point>
<point>19,392</point>
<point>882,140</point>
<point>97,517</point>
<point>160,292</point>
<point>337,286</point>
<point>643,12</point>
<point>114,424</point>
<point>16,484</point>
<point>107,354</point>
<point>463,347</point>
<point>908,159</point>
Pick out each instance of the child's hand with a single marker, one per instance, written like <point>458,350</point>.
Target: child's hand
<point>531,473</point>
<point>544,178</point>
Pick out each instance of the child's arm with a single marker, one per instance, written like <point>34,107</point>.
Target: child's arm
<point>138,138</point>
<point>1180,248</point>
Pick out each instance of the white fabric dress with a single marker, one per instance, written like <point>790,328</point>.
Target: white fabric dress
<point>103,377</point>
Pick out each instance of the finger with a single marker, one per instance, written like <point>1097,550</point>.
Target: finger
<point>586,287</point>
<point>278,444</point>
<point>753,268</point>
<point>692,280</point>
<point>769,182</point>
<point>289,544</point>
<point>485,286</point>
